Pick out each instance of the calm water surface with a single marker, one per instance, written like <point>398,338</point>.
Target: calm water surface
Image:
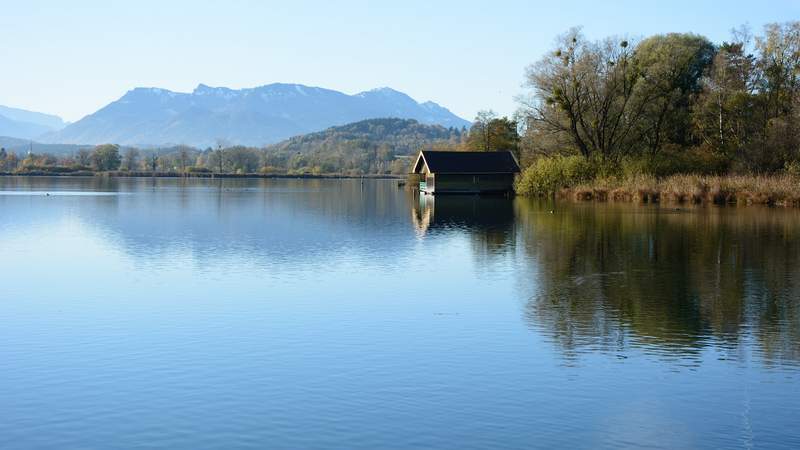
<point>201,314</point>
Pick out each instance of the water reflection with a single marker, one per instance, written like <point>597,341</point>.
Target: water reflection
<point>672,281</point>
<point>487,220</point>
<point>265,308</point>
<point>609,278</point>
<point>264,220</point>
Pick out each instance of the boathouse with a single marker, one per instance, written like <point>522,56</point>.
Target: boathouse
<point>465,172</point>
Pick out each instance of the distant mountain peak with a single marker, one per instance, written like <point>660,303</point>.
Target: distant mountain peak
<point>433,106</point>
<point>289,89</point>
<point>152,93</point>
<point>203,89</point>
<point>152,90</point>
<point>385,92</point>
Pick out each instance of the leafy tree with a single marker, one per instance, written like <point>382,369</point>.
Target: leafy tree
<point>479,137</point>
<point>725,117</point>
<point>670,70</point>
<point>243,159</point>
<point>36,161</point>
<point>493,135</point>
<point>748,108</point>
<point>11,162</point>
<point>779,61</point>
<point>106,157</point>
<point>7,161</point>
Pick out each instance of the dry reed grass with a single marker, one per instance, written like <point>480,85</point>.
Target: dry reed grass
<point>774,190</point>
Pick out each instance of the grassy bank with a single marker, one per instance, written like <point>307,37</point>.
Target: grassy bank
<point>575,178</point>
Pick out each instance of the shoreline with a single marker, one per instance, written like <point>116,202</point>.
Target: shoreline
<point>86,174</point>
<point>731,190</point>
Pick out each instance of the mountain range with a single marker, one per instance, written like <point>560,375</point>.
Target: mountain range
<point>253,116</point>
<point>23,124</point>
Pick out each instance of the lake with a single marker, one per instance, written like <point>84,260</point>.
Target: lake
<point>336,314</point>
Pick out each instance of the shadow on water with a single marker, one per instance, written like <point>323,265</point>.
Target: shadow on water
<point>669,281</point>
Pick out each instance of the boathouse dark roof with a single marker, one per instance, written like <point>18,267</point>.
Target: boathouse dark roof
<point>466,162</point>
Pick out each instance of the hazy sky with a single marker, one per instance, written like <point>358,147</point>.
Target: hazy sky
<point>72,57</point>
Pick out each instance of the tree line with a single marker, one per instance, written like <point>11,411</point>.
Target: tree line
<point>375,146</point>
<point>675,101</point>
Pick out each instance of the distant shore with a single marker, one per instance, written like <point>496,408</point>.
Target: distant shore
<point>124,174</point>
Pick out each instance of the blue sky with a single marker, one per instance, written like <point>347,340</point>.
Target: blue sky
<point>71,58</point>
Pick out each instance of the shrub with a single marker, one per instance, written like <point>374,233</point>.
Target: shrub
<point>34,168</point>
<point>792,168</point>
<point>548,175</point>
<point>268,170</point>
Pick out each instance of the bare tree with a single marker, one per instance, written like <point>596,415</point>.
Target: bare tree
<point>219,154</point>
<point>153,161</point>
<point>483,122</point>
<point>586,92</point>
<point>183,157</point>
<point>130,161</point>
<point>83,157</point>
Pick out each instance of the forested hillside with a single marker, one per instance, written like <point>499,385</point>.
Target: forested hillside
<point>369,146</point>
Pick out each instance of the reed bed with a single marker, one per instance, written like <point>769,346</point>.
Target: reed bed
<point>774,190</point>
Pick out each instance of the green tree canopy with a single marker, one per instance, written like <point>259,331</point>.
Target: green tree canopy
<point>106,157</point>
<point>493,134</point>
